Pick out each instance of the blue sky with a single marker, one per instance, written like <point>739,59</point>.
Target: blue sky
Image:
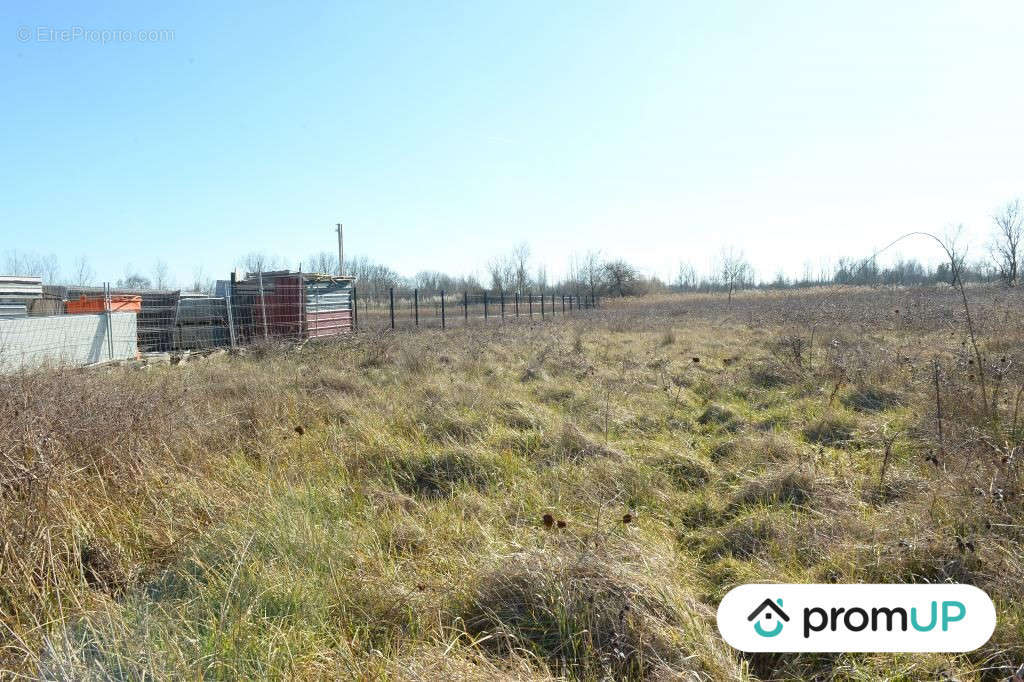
<point>444,133</point>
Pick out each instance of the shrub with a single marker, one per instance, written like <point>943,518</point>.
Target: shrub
<point>719,415</point>
<point>833,430</point>
<point>440,475</point>
<point>871,399</point>
<point>790,486</point>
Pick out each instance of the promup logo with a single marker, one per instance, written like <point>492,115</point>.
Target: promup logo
<point>766,611</point>
<point>863,618</point>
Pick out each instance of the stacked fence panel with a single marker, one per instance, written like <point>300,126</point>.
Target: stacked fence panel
<point>291,305</point>
<point>201,323</point>
<point>328,309</point>
<point>18,294</point>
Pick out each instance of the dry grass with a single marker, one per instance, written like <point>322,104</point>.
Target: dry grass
<point>379,507</point>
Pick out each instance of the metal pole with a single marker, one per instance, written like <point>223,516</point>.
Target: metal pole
<point>529,298</point>
<point>416,305</point>
<point>303,313</point>
<point>391,295</point>
<point>230,305</point>
<point>341,249</point>
<point>442,310</point>
<point>502,294</point>
<point>263,305</point>
<point>517,303</point>
<point>542,304</point>
<point>485,305</point>
<point>465,305</point>
<point>110,325</point>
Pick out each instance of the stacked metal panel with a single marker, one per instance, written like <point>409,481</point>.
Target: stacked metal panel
<point>17,294</point>
<point>292,305</point>
<point>328,306</point>
<point>202,322</point>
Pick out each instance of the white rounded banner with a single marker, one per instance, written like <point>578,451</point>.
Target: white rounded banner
<point>856,618</point>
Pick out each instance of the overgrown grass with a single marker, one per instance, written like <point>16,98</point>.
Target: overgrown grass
<point>522,501</point>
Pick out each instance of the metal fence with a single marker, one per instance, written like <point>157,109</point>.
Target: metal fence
<point>404,308</point>
<point>44,325</point>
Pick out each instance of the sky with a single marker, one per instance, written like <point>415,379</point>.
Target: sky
<point>443,134</point>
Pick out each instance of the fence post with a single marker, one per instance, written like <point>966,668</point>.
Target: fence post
<point>107,302</point>
<point>442,310</point>
<point>529,298</point>
<point>517,302</point>
<point>465,306</point>
<point>485,305</point>
<point>502,294</point>
<point>391,297</point>
<point>416,305</point>
<point>355,310</point>
<point>230,304</point>
<point>263,305</point>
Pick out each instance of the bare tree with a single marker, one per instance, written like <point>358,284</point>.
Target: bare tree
<point>259,261</point>
<point>33,265</point>
<point>161,276</point>
<point>952,270</point>
<point>592,272</point>
<point>521,261</point>
<point>83,273</point>
<point>686,277</point>
<point>734,270</point>
<point>1006,238</point>
<point>502,270</point>
<point>324,262</point>
<point>542,278</point>
<point>201,282</point>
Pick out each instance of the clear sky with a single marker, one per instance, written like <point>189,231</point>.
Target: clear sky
<point>444,133</point>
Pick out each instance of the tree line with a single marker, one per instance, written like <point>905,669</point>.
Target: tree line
<point>592,273</point>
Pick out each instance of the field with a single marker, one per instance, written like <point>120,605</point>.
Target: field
<point>523,500</point>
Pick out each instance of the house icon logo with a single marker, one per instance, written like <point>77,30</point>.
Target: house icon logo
<point>765,614</point>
